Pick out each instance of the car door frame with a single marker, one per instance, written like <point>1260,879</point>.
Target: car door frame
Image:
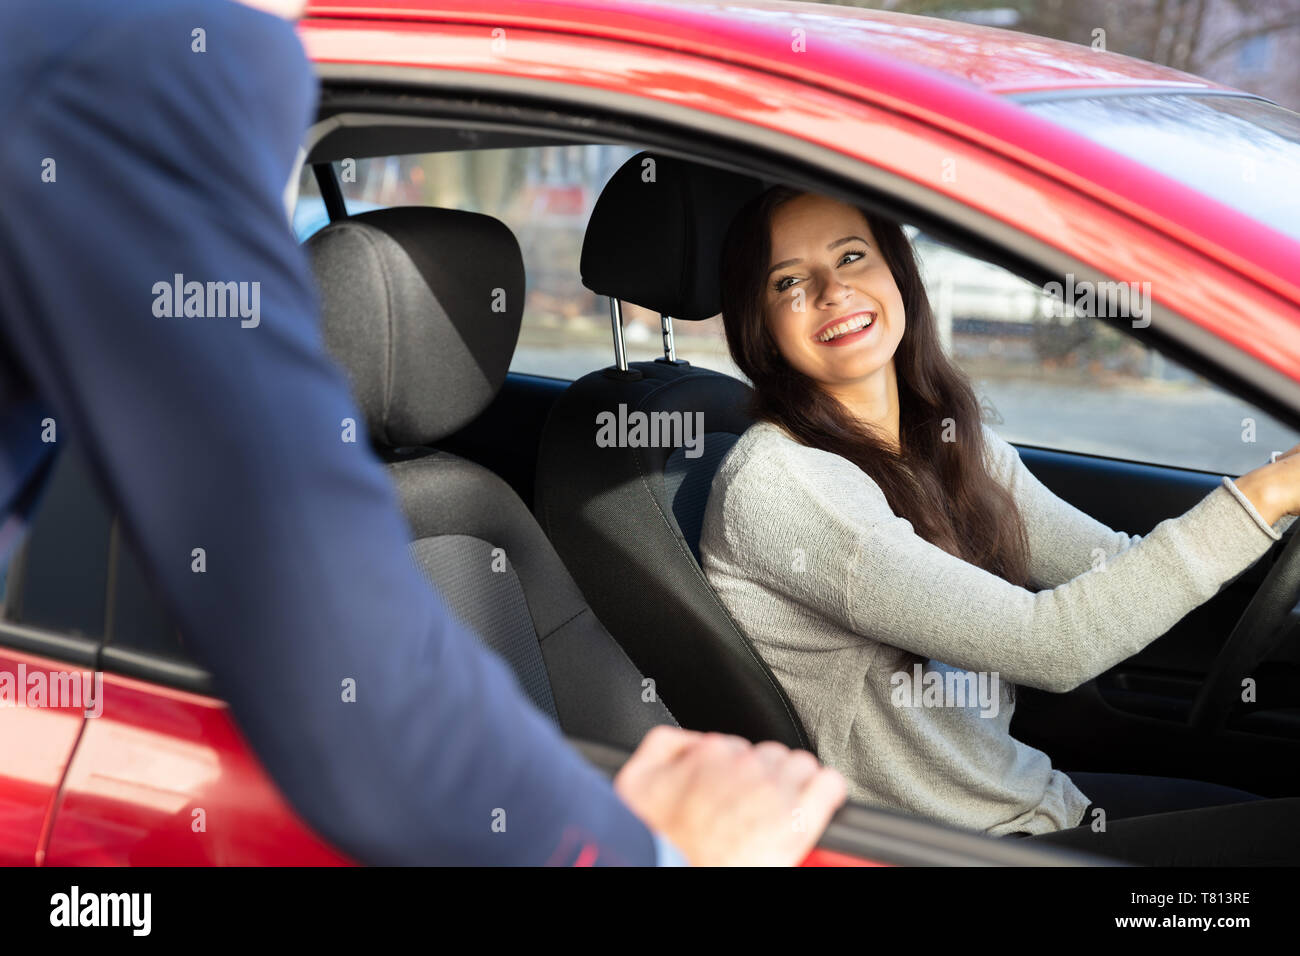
<point>500,102</point>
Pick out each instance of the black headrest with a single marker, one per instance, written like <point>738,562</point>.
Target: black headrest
<point>655,235</point>
<point>422,307</point>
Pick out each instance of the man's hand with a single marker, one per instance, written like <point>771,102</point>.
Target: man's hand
<point>723,801</point>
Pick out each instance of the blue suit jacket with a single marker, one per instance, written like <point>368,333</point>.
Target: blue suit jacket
<point>128,157</point>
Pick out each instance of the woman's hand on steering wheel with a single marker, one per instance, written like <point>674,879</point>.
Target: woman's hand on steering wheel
<point>1274,489</point>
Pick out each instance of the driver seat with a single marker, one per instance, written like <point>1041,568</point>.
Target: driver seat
<point>627,520</point>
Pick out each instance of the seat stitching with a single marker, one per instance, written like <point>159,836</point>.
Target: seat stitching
<point>551,633</point>
<point>586,609</point>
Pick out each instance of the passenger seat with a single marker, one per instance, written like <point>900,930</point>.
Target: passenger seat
<point>422,307</point>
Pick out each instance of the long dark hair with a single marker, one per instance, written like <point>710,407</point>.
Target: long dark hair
<point>942,487</point>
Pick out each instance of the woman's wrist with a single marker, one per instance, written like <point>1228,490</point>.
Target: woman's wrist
<point>1258,489</point>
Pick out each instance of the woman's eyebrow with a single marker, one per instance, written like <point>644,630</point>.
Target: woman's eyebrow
<point>837,242</point>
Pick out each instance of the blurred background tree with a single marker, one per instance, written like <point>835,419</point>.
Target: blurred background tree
<point>1253,45</point>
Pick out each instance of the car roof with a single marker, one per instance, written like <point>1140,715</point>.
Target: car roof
<point>960,79</point>
<point>991,59</point>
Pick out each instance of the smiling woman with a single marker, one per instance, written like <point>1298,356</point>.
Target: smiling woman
<point>847,395</point>
<point>870,529</point>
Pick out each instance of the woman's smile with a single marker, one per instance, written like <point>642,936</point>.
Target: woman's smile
<point>848,330</point>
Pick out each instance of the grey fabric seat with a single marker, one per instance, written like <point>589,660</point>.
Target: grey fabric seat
<point>627,520</point>
<point>422,307</point>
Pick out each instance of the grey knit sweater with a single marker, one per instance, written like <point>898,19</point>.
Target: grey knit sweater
<point>844,601</point>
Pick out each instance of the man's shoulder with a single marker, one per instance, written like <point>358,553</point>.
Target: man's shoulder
<point>213,87</point>
<point>138,38</point>
<point>75,25</point>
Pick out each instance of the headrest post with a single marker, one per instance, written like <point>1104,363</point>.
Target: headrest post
<point>616,320</point>
<point>666,327</point>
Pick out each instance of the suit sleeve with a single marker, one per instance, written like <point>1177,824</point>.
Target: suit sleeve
<point>224,434</point>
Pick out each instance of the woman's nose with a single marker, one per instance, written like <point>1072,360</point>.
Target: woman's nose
<point>832,291</point>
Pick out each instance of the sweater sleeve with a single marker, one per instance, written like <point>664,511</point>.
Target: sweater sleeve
<point>1064,542</point>
<point>810,525</point>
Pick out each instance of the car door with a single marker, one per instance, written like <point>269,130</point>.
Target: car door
<point>156,773</point>
<point>38,742</point>
<point>50,628</point>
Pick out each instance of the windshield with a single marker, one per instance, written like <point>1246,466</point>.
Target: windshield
<point>1242,151</point>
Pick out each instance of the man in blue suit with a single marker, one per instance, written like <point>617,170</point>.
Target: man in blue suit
<point>152,139</point>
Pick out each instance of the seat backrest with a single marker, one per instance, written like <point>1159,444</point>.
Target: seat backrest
<point>687,482</point>
<point>422,308</point>
<point>626,518</point>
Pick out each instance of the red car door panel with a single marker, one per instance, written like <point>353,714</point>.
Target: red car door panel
<point>35,745</point>
<point>163,777</point>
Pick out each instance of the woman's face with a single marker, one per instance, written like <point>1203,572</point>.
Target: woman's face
<point>829,280</point>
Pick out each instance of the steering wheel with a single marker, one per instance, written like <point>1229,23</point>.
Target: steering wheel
<point>1271,615</point>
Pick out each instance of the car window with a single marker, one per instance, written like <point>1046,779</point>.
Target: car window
<point>545,195</point>
<point>77,573</point>
<point>1049,375</point>
<point>58,578</point>
<point>1242,151</point>
<point>1057,381</point>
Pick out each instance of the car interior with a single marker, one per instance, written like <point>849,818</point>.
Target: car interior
<point>602,610</point>
<point>398,292</point>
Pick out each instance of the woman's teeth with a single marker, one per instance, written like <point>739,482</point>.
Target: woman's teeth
<point>845,327</point>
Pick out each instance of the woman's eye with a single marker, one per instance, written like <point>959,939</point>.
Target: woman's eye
<point>780,285</point>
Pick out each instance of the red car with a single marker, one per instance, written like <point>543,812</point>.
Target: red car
<point>1018,163</point>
